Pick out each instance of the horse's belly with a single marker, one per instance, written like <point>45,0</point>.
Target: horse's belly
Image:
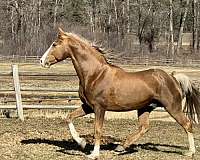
<point>126,107</point>
<point>123,95</point>
<point>126,102</point>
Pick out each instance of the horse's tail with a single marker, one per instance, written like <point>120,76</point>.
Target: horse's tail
<point>192,95</point>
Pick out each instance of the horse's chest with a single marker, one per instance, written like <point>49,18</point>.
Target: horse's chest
<point>86,96</point>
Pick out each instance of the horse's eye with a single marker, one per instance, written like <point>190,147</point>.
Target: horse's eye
<point>54,44</point>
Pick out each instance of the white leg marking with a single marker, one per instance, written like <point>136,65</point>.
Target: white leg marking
<point>96,149</point>
<point>95,152</point>
<point>75,135</point>
<point>191,142</point>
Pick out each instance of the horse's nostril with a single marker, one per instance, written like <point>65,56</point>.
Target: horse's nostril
<point>40,61</point>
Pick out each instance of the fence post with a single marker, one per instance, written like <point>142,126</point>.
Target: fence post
<point>17,91</point>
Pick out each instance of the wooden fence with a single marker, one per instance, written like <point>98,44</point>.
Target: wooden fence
<point>118,59</point>
<point>18,95</point>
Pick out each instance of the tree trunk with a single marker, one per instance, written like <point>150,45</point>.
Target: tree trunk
<point>171,28</point>
<point>195,25</point>
<point>128,16</point>
<point>182,27</point>
<point>141,25</point>
<point>55,14</point>
<point>116,16</point>
<point>12,24</point>
<point>92,14</point>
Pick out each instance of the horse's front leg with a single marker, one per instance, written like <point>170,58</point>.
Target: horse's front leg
<point>99,118</point>
<point>79,112</point>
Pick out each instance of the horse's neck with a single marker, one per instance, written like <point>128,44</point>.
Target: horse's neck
<point>87,65</point>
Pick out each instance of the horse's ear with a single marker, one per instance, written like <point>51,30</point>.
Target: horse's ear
<point>61,33</point>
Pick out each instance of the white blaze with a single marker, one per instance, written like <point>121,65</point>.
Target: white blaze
<point>43,59</point>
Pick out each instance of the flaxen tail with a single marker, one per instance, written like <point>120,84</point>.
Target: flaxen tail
<point>192,95</point>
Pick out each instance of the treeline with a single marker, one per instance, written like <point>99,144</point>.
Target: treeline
<point>129,26</point>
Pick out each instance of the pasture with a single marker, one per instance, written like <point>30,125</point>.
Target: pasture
<point>39,137</point>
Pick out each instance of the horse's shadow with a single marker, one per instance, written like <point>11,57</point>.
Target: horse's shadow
<point>164,148</point>
<point>69,146</point>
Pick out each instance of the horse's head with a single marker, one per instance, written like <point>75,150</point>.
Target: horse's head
<point>58,51</point>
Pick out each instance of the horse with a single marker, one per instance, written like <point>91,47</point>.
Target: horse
<point>106,87</point>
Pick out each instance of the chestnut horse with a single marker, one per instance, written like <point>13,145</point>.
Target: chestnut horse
<point>105,87</point>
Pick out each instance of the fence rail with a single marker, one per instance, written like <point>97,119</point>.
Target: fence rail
<point>18,92</point>
<point>41,107</point>
<point>118,58</point>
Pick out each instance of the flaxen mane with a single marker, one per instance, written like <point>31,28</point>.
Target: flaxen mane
<point>87,42</point>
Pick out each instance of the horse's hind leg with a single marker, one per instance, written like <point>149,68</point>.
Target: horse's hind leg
<point>79,112</point>
<point>143,119</point>
<point>176,112</point>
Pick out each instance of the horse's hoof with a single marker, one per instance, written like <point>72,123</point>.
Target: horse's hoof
<point>82,143</point>
<point>92,157</point>
<point>188,154</point>
<point>119,148</point>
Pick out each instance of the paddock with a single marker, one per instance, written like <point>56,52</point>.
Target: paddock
<point>44,133</point>
<point>41,88</point>
<point>49,138</point>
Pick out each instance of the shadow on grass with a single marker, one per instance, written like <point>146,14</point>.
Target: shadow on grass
<point>70,146</point>
<point>165,148</point>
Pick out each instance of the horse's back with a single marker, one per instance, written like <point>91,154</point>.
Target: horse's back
<point>154,81</point>
<point>145,75</point>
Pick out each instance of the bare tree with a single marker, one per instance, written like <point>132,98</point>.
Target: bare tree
<point>195,25</point>
<point>128,17</point>
<point>142,23</point>
<point>55,13</point>
<point>27,26</point>
<point>171,27</point>
<point>183,18</point>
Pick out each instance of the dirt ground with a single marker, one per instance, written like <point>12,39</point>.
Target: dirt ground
<point>40,138</point>
<point>43,138</point>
